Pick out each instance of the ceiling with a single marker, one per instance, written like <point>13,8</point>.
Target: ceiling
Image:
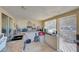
<point>36,12</point>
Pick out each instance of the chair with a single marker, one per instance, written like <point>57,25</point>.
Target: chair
<point>3,41</point>
<point>24,30</point>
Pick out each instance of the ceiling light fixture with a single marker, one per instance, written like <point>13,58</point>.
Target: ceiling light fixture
<point>23,7</point>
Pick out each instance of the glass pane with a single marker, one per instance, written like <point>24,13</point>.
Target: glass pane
<point>50,26</point>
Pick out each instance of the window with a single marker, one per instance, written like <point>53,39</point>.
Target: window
<point>50,26</point>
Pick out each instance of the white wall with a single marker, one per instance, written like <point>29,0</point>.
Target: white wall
<point>21,23</point>
<point>24,23</point>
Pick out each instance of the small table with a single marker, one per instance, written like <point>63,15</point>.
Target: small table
<point>18,36</point>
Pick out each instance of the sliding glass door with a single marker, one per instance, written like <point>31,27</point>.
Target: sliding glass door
<point>67,34</point>
<point>6,25</point>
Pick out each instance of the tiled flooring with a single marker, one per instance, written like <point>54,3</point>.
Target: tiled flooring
<point>17,46</point>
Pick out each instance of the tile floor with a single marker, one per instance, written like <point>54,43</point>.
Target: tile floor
<point>17,46</point>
